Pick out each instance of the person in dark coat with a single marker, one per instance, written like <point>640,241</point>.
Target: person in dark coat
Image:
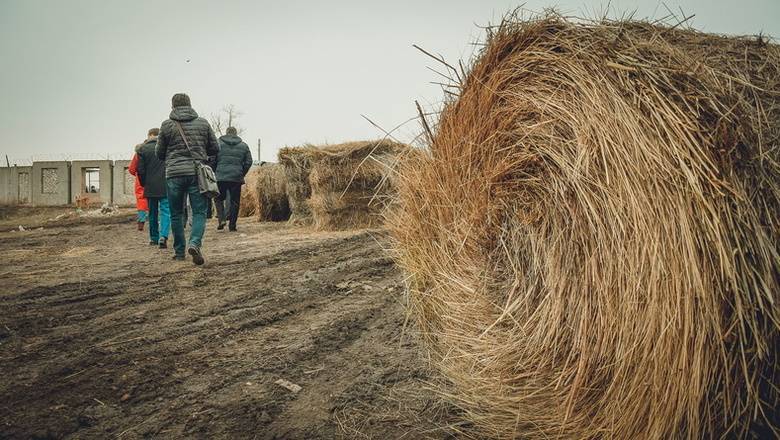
<point>180,171</point>
<point>151,173</point>
<point>233,162</point>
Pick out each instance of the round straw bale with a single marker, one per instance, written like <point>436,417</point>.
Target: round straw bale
<point>271,190</point>
<point>350,185</point>
<point>249,198</point>
<point>296,162</point>
<point>592,237</point>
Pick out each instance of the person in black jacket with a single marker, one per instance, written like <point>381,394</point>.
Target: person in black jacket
<point>233,162</point>
<point>151,173</point>
<point>181,154</point>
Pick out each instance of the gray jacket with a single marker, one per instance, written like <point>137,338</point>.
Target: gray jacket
<point>234,159</point>
<point>171,147</point>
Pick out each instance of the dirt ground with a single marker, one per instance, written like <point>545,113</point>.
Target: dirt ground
<point>104,336</point>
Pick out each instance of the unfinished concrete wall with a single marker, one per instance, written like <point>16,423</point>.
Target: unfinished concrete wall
<point>50,183</point>
<point>7,193</point>
<point>123,185</point>
<point>91,179</point>
<point>21,185</point>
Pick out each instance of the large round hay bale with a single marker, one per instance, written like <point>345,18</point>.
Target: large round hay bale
<point>350,183</point>
<point>592,239</point>
<point>249,198</point>
<point>296,163</point>
<point>271,189</point>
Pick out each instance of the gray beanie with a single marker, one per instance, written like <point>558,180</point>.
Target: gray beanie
<point>231,130</point>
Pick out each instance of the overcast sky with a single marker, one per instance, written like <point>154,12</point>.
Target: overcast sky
<point>85,78</point>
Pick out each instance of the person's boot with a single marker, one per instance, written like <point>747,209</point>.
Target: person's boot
<point>178,257</point>
<point>140,226</point>
<point>221,225</point>
<point>164,243</point>
<point>197,256</point>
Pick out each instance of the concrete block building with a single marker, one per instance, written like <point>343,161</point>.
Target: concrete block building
<point>91,180</point>
<point>16,185</point>
<point>60,183</point>
<point>50,183</point>
<point>123,188</point>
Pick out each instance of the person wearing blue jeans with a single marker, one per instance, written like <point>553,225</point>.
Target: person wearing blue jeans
<point>159,221</point>
<point>179,188</point>
<point>185,140</point>
<point>151,174</point>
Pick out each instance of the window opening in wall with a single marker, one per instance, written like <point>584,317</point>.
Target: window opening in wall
<point>50,179</point>
<point>91,180</point>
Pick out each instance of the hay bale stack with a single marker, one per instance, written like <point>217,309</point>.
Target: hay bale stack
<point>271,190</point>
<point>249,197</point>
<point>592,239</point>
<point>296,163</point>
<point>350,183</point>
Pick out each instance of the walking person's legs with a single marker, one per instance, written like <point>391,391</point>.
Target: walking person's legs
<point>165,222</point>
<point>188,205</point>
<point>141,219</point>
<point>220,202</point>
<point>154,220</point>
<point>235,204</point>
<point>198,204</point>
<point>176,192</point>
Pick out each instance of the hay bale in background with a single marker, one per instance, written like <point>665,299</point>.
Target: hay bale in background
<point>249,198</point>
<point>271,191</point>
<point>592,240</point>
<point>296,164</point>
<point>349,183</point>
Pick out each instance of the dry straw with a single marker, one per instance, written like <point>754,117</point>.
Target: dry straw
<point>271,191</point>
<point>350,184</point>
<point>296,164</point>
<point>249,198</point>
<point>592,238</point>
<point>342,186</point>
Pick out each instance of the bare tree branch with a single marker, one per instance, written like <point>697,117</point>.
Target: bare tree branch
<point>226,117</point>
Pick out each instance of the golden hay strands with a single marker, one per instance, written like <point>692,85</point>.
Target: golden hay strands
<point>271,191</point>
<point>249,199</point>
<point>592,239</point>
<point>296,162</point>
<point>350,185</point>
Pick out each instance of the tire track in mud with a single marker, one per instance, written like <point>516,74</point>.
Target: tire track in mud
<point>191,352</point>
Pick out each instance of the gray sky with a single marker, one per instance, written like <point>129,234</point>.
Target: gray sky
<point>84,78</point>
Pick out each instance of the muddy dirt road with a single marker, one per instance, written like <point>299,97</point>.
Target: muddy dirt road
<point>104,336</point>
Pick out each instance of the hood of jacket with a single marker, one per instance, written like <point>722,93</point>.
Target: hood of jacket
<point>151,140</point>
<point>183,114</point>
<point>230,139</point>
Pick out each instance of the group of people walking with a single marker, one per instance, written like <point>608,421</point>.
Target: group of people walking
<point>165,166</point>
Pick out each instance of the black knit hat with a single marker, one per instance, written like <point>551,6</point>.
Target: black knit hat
<point>180,100</point>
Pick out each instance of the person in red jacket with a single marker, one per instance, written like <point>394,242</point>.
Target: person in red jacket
<point>140,201</point>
